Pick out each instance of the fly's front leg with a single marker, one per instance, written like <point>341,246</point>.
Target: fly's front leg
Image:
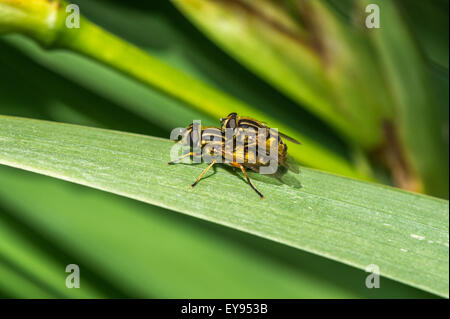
<point>180,158</point>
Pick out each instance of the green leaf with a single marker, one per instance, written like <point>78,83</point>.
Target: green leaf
<point>429,21</point>
<point>137,251</point>
<point>353,222</point>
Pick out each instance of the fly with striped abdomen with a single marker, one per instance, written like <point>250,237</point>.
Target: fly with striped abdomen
<point>210,140</point>
<point>242,149</point>
<point>272,137</point>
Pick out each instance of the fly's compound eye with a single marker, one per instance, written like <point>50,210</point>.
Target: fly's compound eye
<point>231,123</point>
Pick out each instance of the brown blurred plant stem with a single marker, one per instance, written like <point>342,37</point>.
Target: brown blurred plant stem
<point>393,157</point>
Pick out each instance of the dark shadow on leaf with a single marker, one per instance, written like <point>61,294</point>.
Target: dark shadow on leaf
<point>283,178</point>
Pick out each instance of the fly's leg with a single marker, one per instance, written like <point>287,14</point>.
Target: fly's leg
<point>180,158</point>
<point>248,179</point>
<point>203,173</point>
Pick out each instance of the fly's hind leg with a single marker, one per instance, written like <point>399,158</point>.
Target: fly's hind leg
<point>248,179</point>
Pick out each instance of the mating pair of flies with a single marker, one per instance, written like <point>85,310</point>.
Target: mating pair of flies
<point>243,156</point>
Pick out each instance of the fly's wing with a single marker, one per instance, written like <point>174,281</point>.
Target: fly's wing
<point>253,167</point>
<point>252,122</point>
<point>293,140</point>
<point>291,164</point>
<point>290,139</point>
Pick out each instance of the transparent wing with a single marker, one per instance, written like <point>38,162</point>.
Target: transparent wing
<point>290,139</point>
<point>291,165</point>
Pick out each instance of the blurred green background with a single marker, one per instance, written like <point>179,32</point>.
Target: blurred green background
<point>129,249</point>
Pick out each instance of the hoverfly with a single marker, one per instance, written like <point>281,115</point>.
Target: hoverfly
<point>242,156</point>
<point>241,123</point>
<point>208,136</point>
<point>213,139</point>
